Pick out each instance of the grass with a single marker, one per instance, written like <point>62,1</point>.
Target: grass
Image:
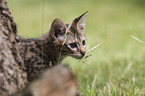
<point>117,66</point>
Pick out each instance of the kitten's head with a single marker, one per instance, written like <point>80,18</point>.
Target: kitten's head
<point>71,36</point>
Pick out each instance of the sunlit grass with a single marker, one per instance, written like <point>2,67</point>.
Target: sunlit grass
<point>119,63</point>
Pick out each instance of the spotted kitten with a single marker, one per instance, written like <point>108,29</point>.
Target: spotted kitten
<point>61,41</point>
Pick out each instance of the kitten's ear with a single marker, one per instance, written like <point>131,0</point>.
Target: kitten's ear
<point>80,22</point>
<point>58,28</point>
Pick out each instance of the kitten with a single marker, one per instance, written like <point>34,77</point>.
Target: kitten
<point>61,41</point>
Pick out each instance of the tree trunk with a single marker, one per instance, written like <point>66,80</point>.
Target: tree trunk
<point>12,77</point>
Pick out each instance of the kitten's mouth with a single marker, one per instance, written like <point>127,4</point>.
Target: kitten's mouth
<point>77,56</point>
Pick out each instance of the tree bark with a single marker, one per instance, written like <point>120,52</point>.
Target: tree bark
<point>12,77</point>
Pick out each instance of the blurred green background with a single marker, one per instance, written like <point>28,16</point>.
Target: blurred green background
<point>117,66</point>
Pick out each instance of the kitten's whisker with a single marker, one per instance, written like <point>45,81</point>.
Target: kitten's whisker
<point>86,55</point>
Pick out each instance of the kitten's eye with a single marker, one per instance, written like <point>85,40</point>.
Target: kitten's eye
<point>84,42</point>
<point>73,45</point>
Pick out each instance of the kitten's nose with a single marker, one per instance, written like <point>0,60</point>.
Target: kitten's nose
<point>83,52</point>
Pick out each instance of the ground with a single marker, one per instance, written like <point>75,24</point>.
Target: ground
<point>117,66</point>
